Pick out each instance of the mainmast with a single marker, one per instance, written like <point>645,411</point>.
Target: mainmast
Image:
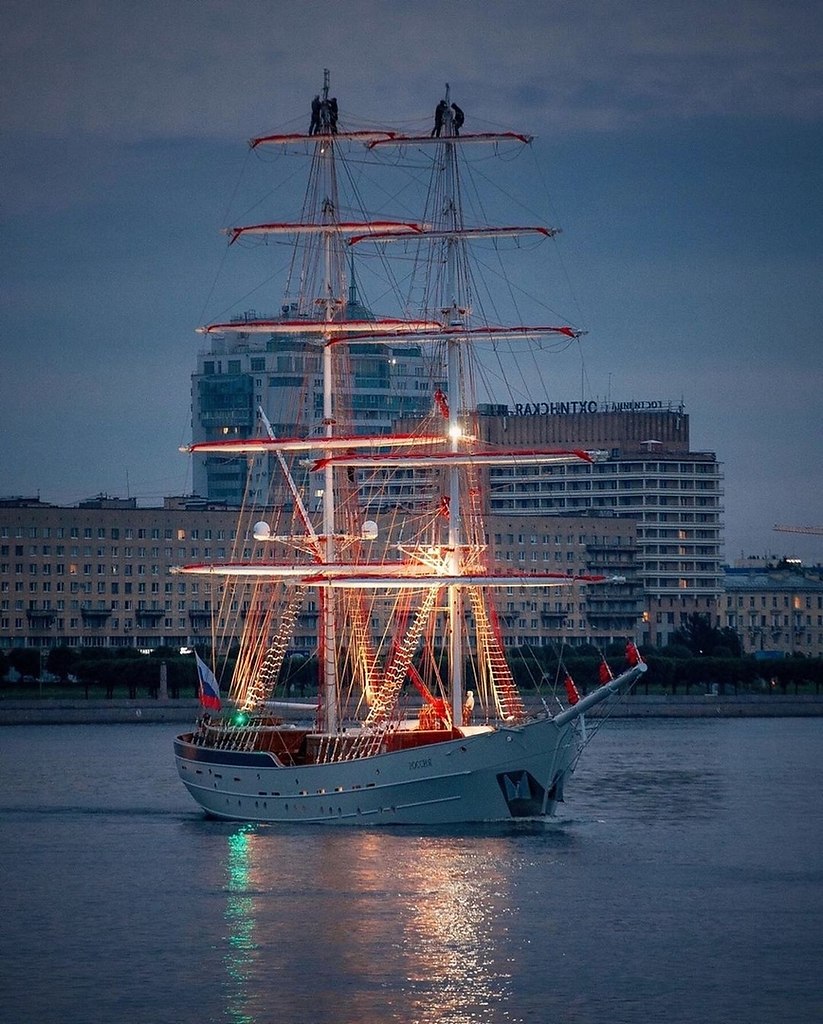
<point>453,312</point>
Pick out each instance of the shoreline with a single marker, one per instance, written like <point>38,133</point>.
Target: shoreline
<point>184,711</point>
<point>707,705</point>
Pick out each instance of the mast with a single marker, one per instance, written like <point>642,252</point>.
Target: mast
<point>329,703</point>
<point>452,217</point>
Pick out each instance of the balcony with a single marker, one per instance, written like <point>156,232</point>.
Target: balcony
<point>200,620</point>
<point>95,617</point>
<point>149,617</point>
<point>40,620</point>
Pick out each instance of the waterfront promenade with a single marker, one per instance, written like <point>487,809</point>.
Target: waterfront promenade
<point>58,711</point>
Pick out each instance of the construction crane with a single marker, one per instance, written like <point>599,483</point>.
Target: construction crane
<point>816,531</point>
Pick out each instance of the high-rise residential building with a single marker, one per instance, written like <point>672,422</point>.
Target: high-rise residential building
<point>240,373</point>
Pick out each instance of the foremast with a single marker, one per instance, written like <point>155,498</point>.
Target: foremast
<point>332,301</point>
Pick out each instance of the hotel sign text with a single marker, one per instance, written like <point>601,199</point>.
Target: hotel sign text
<point>567,408</point>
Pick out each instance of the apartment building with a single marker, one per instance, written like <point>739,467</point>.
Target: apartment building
<point>99,574</point>
<point>778,609</point>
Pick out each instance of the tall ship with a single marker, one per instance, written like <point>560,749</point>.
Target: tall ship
<point>369,526</point>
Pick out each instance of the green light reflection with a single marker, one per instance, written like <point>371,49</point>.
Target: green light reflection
<point>243,951</point>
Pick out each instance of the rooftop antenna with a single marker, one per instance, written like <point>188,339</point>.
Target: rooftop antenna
<point>352,281</point>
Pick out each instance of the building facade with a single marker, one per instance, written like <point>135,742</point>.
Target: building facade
<point>648,509</point>
<point>774,609</point>
<point>592,543</point>
<point>99,574</point>
<point>243,372</point>
<point>645,472</point>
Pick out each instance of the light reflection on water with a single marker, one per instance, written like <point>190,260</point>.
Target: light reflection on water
<point>447,940</point>
<point>400,926</point>
<point>686,850</point>
<point>241,923</point>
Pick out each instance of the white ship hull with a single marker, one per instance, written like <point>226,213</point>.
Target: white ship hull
<point>486,774</point>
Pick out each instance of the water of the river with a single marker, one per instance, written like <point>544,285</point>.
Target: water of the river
<point>683,882</point>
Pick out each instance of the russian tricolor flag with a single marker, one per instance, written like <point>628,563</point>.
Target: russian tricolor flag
<point>209,688</point>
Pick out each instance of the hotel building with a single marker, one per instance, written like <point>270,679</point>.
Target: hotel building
<point>646,473</point>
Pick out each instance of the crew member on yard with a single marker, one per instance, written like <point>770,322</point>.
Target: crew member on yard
<point>439,114</point>
<point>314,127</point>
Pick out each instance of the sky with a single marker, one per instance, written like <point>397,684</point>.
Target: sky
<point>682,150</point>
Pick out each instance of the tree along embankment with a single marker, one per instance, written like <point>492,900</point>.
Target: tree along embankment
<point>163,686</point>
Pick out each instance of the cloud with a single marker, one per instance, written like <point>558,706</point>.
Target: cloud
<point>681,142</point>
<point>160,69</point>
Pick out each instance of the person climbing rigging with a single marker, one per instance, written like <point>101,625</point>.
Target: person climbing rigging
<point>314,126</point>
<point>457,118</point>
<point>439,114</point>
